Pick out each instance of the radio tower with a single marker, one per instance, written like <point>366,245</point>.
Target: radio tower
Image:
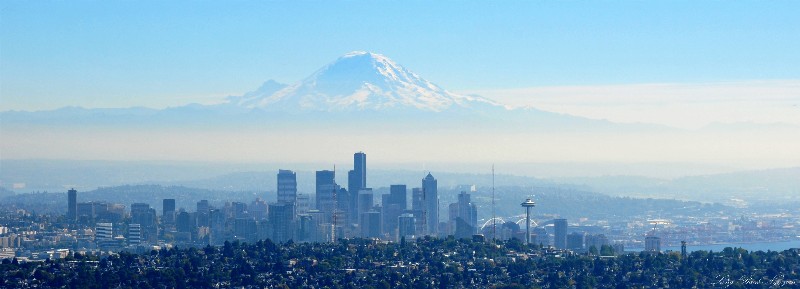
<point>494,219</point>
<point>424,212</point>
<point>333,211</point>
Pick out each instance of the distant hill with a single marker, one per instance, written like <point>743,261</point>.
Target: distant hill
<point>774,185</point>
<point>551,201</point>
<point>572,204</point>
<point>5,193</point>
<point>128,194</point>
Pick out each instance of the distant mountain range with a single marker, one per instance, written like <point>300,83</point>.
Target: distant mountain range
<point>358,86</point>
<point>365,101</point>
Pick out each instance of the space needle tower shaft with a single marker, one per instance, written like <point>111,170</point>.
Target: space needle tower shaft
<point>528,204</point>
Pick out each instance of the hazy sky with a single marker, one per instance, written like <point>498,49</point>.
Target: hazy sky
<point>686,64</point>
<point>156,54</point>
<point>682,105</point>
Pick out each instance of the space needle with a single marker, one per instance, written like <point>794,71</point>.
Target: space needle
<point>528,204</point>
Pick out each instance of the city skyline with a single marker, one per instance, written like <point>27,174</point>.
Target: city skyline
<point>515,144</point>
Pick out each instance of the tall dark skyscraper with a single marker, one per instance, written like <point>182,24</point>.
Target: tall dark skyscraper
<point>397,195</point>
<point>183,222</point>
<point>360,169</point>
<point>356,180</point>
<point>168,206</point>
<point>287,187</point>
<point>431,195</point>
<point>560,232</point>
<point>202,212</point>
<point>168,211</point>
<point>326,185</point>
<point>72,205</point>
<point>203,206</point>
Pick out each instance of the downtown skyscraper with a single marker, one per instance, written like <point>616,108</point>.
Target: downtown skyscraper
<point>560,233</point>
<point>357,178</point>
<point>430,191</point>
<point>72,205</point>
<point>394,205</point>
<point>463,217</point>
<point>356,181</point>
<point>287,187</point>
<point>325,190</point>
<point>282,214</point>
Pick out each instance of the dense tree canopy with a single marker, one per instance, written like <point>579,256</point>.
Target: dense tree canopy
<point>423,263</point>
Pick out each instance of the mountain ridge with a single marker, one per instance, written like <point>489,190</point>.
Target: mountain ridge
<point>356,87</point>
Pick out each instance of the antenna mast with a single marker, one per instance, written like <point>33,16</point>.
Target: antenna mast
<point>333,210</point>
<point>424,211</point>
<point>494,218</point>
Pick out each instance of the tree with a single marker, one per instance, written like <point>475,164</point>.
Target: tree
<point>606,250</point>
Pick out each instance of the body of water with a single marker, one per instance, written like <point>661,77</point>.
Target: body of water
<point>771,246</point>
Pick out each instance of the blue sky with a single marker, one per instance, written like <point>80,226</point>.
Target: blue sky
<point>155,54</point>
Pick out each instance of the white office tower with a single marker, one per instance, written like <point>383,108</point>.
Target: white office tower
<point>134,234</point>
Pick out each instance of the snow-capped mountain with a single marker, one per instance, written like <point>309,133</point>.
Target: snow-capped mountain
<point>358,87</point>
<point>359,81</point>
